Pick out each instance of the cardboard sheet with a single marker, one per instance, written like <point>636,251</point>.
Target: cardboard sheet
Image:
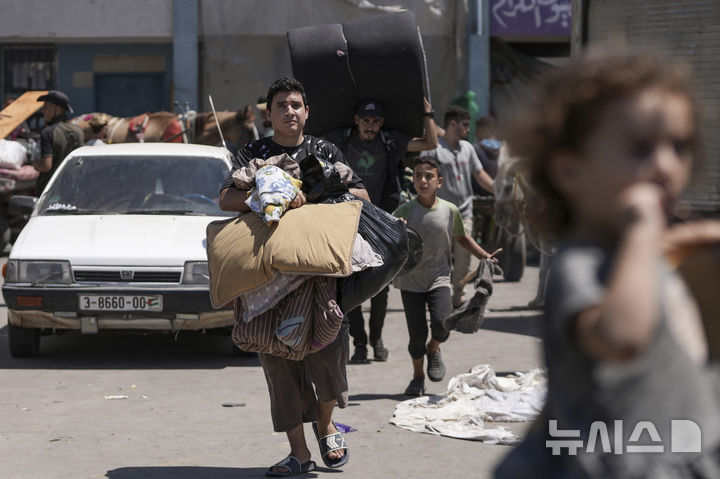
<point>19,111</point>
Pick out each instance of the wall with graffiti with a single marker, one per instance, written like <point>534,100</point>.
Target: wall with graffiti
<point>530,18</point>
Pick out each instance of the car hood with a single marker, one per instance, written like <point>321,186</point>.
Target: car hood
<point>107,240</point>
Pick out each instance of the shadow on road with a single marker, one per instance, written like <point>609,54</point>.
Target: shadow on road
<point>526,324</point>
<point>198,472</point>
<point>129,351</point>
<point>373,397</point>
<point>180,472</point>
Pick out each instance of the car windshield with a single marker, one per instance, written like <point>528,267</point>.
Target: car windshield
<point>137,185</point>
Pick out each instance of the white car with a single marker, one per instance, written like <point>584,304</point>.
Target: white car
<point>117,242</point>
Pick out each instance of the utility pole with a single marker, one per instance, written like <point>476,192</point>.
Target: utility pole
<point>185,52</point>
<point>478,54</point>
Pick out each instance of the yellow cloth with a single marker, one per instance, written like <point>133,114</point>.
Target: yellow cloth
<point>315,239</point>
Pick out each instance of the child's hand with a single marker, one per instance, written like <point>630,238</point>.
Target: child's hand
<point>492,255</point>
<point>643,203</point>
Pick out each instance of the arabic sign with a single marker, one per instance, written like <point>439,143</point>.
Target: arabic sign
<point>530,17</point>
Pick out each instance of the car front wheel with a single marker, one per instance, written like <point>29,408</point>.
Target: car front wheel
<point>24,342</point>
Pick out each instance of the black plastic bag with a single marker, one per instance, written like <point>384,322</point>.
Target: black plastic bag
<point>321,181</point>
<point>388,237</point>
<point>387,234</point>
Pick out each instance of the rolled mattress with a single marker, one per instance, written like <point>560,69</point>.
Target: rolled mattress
<point>377,57</point>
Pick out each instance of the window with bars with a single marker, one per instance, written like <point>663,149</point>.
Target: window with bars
<point>27,68</point>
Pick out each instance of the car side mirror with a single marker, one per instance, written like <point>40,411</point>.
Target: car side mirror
<point>21,205</point>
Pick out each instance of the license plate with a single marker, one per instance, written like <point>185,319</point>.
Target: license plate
<point>110,302</point>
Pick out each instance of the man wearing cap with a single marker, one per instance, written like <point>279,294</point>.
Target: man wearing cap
<point>58,138</point>
<point>376,155</point>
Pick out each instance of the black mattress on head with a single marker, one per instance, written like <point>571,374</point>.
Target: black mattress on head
<point>378,57</point>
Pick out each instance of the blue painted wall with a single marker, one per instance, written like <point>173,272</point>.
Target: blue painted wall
<point>79,57</point>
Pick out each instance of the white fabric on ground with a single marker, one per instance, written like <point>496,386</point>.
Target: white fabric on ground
<point>471,400</point>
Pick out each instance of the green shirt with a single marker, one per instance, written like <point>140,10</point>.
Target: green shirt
<point>436,226</point>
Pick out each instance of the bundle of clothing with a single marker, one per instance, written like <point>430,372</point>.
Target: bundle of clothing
<point>469,317</point>
<point>15,171</point>
<point>292,272</point>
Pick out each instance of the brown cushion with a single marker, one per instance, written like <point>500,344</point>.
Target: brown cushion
<point>244,253</point>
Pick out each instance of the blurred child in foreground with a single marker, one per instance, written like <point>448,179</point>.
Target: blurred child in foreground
<point>609,144</point>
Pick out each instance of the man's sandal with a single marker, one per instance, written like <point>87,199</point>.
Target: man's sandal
<point>292,467</point>
<point>329,443</point>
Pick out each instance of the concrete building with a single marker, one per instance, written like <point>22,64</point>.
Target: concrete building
<point>126,57</point>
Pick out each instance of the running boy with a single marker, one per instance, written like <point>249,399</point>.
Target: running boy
<point>608,144</point>
<point>437,222</point>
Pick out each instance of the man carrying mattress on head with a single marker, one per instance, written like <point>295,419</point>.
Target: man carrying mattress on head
<point>293,384</point>
<point>376,154</point>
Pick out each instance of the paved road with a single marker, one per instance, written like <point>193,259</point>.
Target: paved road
<point>56,423</point>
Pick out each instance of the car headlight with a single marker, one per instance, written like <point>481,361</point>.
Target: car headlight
<point>38,272</point>
<point>196,272</point>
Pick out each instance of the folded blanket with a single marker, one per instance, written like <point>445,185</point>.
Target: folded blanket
<point>305,321</point>
<point>258,300</point>
<point>315,239</point>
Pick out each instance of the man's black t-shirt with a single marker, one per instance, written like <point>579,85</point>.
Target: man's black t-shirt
<point>375,161</point>
<point>56,143</point>
<point>264,148</point>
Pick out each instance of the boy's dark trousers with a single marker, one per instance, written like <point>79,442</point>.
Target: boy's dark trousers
<point>439,304</point>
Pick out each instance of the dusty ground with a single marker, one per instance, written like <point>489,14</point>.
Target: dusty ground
<point>56,422</point>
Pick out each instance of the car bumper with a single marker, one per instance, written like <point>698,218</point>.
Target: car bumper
<point>184,308</point>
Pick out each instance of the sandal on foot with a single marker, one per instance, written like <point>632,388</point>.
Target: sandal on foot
<point>292,467</point>
<point>416,387</point>
<point>329,443</point>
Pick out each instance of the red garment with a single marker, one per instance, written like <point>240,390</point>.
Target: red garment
<point>173,133</point>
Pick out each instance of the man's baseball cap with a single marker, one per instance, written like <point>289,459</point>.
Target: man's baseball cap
<point>58,98</point>
<point>370,108</point>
